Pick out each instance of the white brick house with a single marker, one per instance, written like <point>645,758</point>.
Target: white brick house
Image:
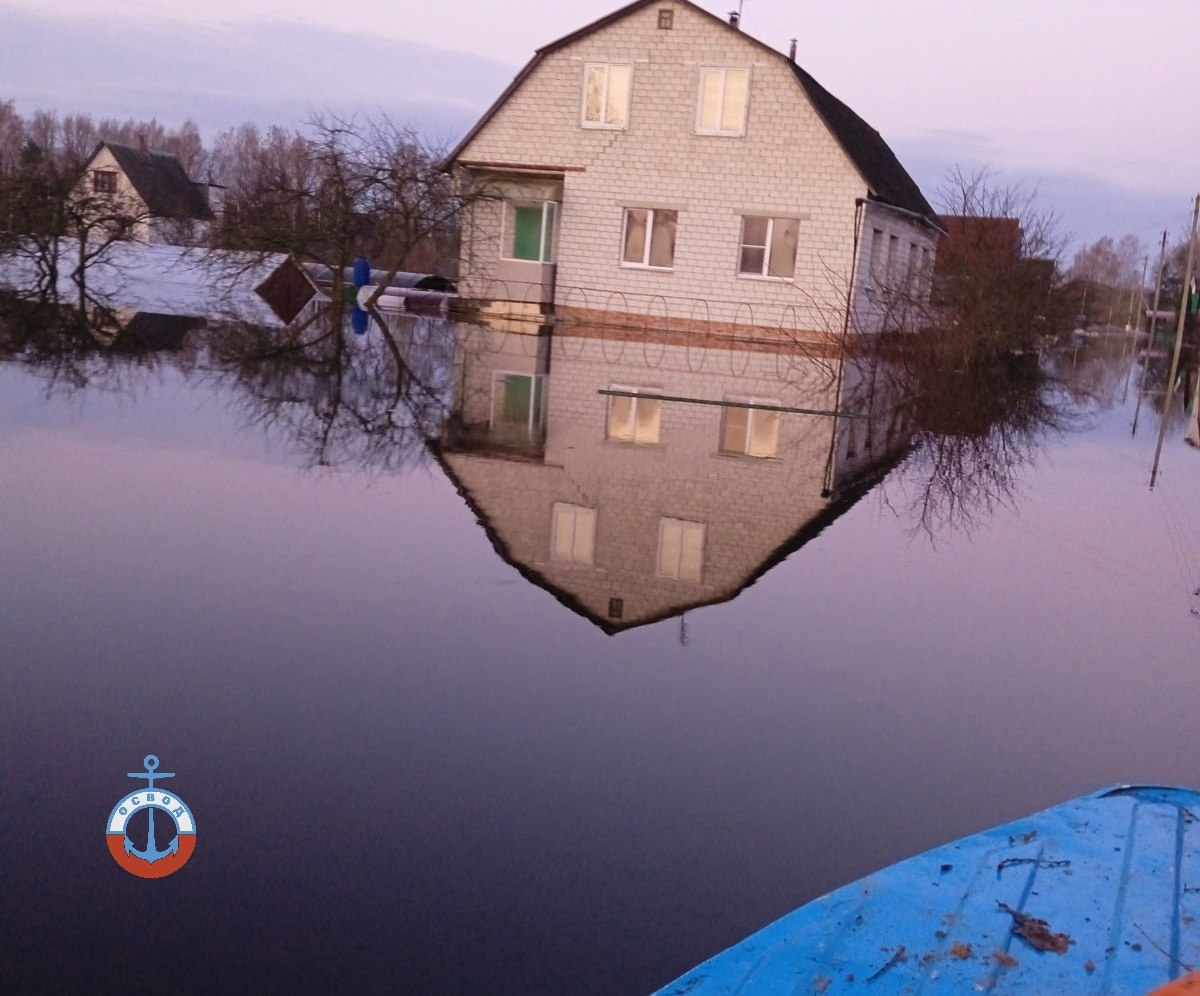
<point>661,162</point>
<point>152,190</point>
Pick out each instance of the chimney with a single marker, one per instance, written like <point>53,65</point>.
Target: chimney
<point>792,51</point>
<point>141,137</point>
<point>734,18</point>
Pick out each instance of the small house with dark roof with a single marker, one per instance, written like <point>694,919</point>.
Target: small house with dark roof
<point>154,190</point>
<point>662,162</point>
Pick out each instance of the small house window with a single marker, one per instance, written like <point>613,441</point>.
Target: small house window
<point>748,430</point>
<point>529,230</point>
<point>517,404</point>
<point>666,19</point>
<point>573,534</point>
<point>649,238</point>
<point>722,104</point>
<point>769,247</point>
<point>606,91</point>
<point>877,251</point>
<point>633,415</point>
<point>680,549</point>
<point>104,181</point>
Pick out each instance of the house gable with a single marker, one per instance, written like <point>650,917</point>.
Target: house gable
<point>779,173</point>
<point>886,179</point>
<point>158,178</point>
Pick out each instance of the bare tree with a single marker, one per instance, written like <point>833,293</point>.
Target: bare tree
<point>997,273</point>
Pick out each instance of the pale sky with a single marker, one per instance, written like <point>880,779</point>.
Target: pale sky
<point>1044,90</point>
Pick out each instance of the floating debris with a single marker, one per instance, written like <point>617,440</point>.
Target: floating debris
<point>1037,932</point>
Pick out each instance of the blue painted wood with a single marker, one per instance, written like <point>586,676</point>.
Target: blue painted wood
<point>1118,872</point>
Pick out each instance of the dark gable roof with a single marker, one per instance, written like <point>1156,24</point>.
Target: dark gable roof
<point>161,181</point>
<point>887,180</point>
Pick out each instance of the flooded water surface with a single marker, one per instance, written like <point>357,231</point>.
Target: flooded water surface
<point>499,663</point>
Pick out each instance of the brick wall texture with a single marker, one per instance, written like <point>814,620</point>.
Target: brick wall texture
<point>787,164</point>
<point>749,506</point>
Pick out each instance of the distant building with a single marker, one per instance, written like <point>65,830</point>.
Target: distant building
<point>969,241</point>
<point>981,270</point>
<point>659,162</point>
<point>152,188</point>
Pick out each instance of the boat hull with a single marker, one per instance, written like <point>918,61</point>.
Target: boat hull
<point>1098,895</point>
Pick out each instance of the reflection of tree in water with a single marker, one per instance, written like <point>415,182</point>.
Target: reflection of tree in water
<point>93,348</point>
<point>1157,382</point>
<point>1096,373</point>
<point>342,399</point>
<point>976,431</point>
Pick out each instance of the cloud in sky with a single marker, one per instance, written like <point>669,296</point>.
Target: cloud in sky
<point>1080,89</point>
<point>222,75</point>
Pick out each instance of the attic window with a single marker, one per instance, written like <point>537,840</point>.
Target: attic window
<point>606,90</point>
<point>666,19</point>
<point>722,105</point>
<point>104,181</point>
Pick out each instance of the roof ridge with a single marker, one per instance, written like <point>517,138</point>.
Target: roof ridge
<point>885,176</point>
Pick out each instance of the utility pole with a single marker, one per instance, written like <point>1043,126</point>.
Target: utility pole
<point>1153,321</point>
<point>1183,309</point>
<point>1135,291</point>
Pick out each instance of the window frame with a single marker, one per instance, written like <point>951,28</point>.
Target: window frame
<point>109,186</point>
<point>536,418</point>
<point>602,124</point>
<point>646,394</point>
<point>549,208</point>
<point>765,273</point>
<point>701,128</point>
<point>752,406</point>
<point>665,522</point>
<point>648,247</point>
<point>574,510</point>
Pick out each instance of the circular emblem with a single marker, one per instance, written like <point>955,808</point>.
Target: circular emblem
<point>151,861</point>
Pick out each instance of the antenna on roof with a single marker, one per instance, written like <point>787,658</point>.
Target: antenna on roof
<point>735,16</point>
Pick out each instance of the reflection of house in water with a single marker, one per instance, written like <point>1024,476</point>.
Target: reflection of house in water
<point>635,480</point>
<point>128,331</point>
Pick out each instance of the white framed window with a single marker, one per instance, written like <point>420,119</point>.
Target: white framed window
<point>606,91</point>
<point>721,108</point>
<point>680,549</point>
<point>518,403</point>
<point>878,247</point>
<point>768,247</point>
<point>529,230</point>
<point>572,534</point>
<point>634,414</point>
<point>750,431</point>
<point>648,238</point>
